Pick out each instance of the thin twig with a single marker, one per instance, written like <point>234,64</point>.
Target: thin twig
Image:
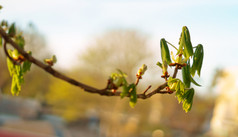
<point>137,81</point>
<point>147,89</point>
<point>175,71</point>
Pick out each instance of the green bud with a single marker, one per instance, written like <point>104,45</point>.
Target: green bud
<point>142,70</point>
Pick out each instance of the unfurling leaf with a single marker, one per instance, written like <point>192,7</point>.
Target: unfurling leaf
<point>187,78</point>
<point>185,45</point>
<point>186,75</point>
<point>194,82</point>
<point>26,66</point>
<point>187,104</point>
<point>133,96</point>
<point>20,41</point>
<point>165,54</point>
<point>17,79</point>
<point>125,91</point>
<point>51,61</point>
<point>159,64</point>
<point>180,88</point>
<point>10,66</point>
<point>119,79</point>
<point>141,71</point>
<point>197,60</point>
<point>12,30</point>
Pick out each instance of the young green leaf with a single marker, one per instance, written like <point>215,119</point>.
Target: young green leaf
<point>10,64</point>
<point>15,88</point>
<point>20,41</point>
<point>194,82</point>
<point>186,75</point>
<point>12,30</point>
<point>125,91</point>
<point>180,91</point>
<point>133,96</point>
<point>185,43</point>
<point>187,104</point>
<point>159,64</point>
<point>165,54</point>
<point>26,65</point>
<point>188,48</point>
<point>197,60</point>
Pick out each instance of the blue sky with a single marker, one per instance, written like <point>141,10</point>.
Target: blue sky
<point>70,25</point>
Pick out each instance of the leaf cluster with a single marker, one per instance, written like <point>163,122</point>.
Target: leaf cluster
<point>17,64</point>
<point>181,60</point>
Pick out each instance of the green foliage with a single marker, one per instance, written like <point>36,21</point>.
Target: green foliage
<point>183,94</point>
<point>12,30</point>
<point>20,41</point>
<point>186,75</point>
<point>165,54</point>
<point>26,65</point>
<point>133,96</point>
<point>17,64</point>
<point>16,73</point>
<point>119,79</point>
<point>182,89</point>
<point>188,100</point>
<point>197,60</point>
<point>185,45</point>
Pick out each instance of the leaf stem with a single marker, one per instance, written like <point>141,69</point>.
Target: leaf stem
<point>172,45</point>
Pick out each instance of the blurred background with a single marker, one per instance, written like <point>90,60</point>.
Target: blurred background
<point>92,39</point>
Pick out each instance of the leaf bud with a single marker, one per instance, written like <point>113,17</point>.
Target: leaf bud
<point>141,71</point>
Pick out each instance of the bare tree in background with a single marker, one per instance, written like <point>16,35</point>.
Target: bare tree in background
<point>122,49</point>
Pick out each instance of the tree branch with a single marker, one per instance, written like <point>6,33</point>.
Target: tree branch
<point>85,87</point>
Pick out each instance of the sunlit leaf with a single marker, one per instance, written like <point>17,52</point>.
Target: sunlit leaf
<point>133,96</point>
<point>187,104</point>
<point>10,64</point>
<point>172,80</point>
<point>185,43</point>
<point>197,60</point>
<point>16,86</point>
<point>165,54</point>
<point>186,75</point>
